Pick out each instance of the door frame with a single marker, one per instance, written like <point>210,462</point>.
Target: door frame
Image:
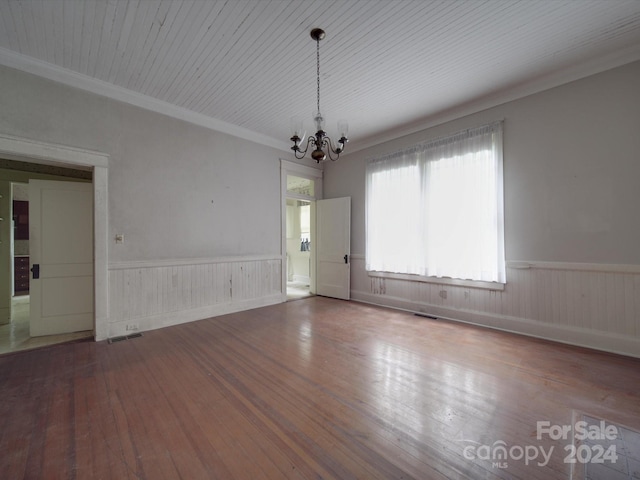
<point>34,151</point>
<point>303,171</point>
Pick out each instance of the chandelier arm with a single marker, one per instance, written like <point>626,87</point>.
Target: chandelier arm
<point>310,140</point>
<point>331,150</point>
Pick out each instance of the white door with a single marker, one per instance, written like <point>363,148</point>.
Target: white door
<point>333,223</point>
<point>61,257</point>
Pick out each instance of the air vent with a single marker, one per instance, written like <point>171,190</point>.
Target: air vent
<point>124,337</point>
<point>425,316</point>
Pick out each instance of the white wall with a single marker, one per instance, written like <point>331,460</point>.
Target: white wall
<point>572,167</point>
<point>177,192</point>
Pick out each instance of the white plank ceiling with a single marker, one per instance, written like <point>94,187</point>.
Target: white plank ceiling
<point>248,66</point>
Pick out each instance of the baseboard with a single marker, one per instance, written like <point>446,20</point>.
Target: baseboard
<point>168,319</point>
<point>618,344</point>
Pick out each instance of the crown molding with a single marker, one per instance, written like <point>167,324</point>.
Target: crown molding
<point>70,78</point>
<point>546,82</point>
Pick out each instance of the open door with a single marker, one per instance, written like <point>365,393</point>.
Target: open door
<point>333,223</point>
<point>61,257</point>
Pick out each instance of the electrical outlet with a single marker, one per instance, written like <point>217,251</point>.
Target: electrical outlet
<point>132,327</point>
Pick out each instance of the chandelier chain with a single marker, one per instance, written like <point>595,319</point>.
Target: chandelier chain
<point>318,69</point>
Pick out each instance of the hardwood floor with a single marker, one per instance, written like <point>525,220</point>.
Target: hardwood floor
<point>316,388</point>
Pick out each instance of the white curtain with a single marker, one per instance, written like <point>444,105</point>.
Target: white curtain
<point>436,209</point>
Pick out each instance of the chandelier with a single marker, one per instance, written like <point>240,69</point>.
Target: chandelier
<point>323,146</point>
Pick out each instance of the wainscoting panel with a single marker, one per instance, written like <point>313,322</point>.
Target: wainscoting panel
<point>149,295</point>
<point>592,305</point>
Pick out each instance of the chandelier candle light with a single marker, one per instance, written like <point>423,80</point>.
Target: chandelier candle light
<point>323,146</point>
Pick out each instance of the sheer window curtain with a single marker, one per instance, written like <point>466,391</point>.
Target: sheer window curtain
<point>436,209</point>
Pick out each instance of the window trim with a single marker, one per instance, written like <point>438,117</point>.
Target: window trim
<point>496,286</point>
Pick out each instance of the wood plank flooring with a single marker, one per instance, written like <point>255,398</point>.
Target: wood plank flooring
<point>315,388</point>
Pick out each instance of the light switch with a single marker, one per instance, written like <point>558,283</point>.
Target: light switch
<point>119,238</point>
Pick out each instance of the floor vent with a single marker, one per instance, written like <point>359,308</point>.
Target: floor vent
<point>124,337</point>
<point>610,450</point>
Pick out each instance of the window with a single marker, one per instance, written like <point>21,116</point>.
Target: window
<point>300,186</point>
<point>436,209</point>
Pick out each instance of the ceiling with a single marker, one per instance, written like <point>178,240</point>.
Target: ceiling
<point>247,66</point>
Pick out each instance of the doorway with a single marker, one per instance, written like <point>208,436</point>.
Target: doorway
<point>45,153</point>
<point>19,262</point>
<point>299,247</point>
<point>16,252</point>
<point>301,186</point>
